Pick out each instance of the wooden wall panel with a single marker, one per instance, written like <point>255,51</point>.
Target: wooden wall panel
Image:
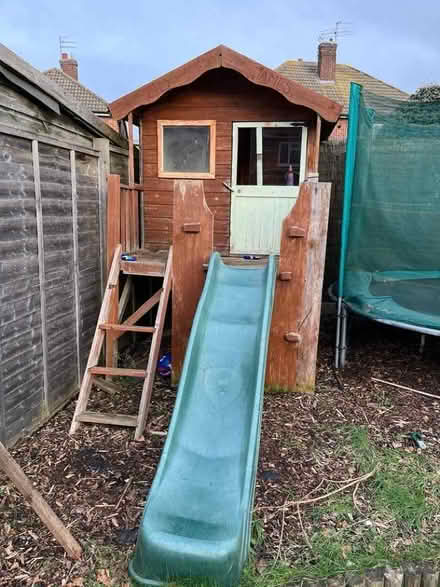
<point>221,95</point>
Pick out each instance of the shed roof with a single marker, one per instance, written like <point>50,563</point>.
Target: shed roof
<point>33,78</point>
<point>78,91</point>
<point>306,73</point>
<point>219,57</point>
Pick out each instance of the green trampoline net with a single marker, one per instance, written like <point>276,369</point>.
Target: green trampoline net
<point>390,256</point>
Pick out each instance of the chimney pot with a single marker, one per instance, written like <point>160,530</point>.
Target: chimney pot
<point>69,65</point>
<point>327,61</point>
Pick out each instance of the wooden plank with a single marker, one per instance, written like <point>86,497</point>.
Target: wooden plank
<point>289,294</point>
<point>191,251</point>
<point>41,272</point>
<point>310,319</point>
<point>130,149</point>
<point>111,419</point>
<point>155,347</point>
<point>117,371</point>
<point>111,341</point>
<point>103,145</point>
<point>113,217</point>
<point>153,269</point>
<point>39,505</point>
<point>76,275</point>
<point>98,341</point>
<point>105,385</point>
<point>125,328</point>
<point>143,309</point>
<point>125,296</point>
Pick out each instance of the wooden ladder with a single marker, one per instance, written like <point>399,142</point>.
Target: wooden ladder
<point>105,327</point>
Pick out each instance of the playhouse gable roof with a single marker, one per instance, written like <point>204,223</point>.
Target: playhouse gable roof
<point>224,57</point>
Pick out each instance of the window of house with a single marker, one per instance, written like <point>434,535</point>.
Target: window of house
<point>186,148</point>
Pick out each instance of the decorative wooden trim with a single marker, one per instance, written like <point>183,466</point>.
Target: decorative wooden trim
<point>186,174</point>
<point>216,58</point>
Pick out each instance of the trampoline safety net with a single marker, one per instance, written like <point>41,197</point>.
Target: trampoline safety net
<point>390,251</point>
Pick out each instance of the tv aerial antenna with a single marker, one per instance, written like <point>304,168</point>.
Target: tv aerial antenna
<point>332,35</point>
<point>66,44</point>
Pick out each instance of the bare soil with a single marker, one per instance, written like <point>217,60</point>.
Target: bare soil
<point>97,480</point>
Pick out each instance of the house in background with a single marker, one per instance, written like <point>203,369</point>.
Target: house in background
<point>331,79</point>
<point>67,79</point>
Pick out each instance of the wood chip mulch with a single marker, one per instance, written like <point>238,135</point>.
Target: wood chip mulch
<point>97,480</point>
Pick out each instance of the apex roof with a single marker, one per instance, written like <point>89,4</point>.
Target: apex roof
<point>78,91</point>
<point>306,73</point>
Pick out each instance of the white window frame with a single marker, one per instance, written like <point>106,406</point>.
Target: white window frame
<point>259,148</point>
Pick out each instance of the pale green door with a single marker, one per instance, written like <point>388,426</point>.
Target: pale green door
<point>268,164</point>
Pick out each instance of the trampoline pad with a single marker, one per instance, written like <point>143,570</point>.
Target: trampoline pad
<point>418,295</point>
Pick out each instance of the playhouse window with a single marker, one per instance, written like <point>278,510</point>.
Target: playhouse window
<point>186,148</point>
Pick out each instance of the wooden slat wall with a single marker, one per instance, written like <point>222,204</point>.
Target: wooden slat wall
<point>59,275</point>
<point>88,250</point>
<point>21,373</point>
<point>220,95</point>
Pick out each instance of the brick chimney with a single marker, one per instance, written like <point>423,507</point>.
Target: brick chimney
<point>69,65</point>
<point>327,61</point>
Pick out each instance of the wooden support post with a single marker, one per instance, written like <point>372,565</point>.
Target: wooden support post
<point>311,311</point>
<point>39,505</point>
<point>130,150</point>
<point>111,341</point>
<point>191,250</point>
<point>113,217</point>
<point>103,145</point>
<point>285,336</point>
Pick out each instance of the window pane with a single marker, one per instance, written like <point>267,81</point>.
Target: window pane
<point>281,155</point>
<point>247,156</point>
<point>186,148</point>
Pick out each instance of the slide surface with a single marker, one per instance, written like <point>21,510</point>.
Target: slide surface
<point>197,518</point>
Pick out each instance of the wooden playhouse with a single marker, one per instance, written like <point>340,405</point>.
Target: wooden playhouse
<point>226,148</point>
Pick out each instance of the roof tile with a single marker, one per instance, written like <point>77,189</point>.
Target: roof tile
<point>306,73</point>
<point>80,93</point>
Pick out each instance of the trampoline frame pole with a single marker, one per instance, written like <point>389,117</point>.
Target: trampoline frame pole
<point>350,160</point>
<point>338,331</point>
<point>344,320</point>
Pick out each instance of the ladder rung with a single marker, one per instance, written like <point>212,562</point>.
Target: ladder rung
<point>103,418</point>
<point>118,372</point>
<point>126,328</point>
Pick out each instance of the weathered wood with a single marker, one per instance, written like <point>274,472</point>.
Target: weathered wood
<point>393,577</point>
<point>223,57</point>
<point>111,419</point>
<point>125,296</point>
<point>311,313</point>
<point>111,340</point>
<point>374,577</point>
<point>430,577</point>
<point>105,385</point>
<point>191,250</point>
<point>289,295</point>
<point>41,272</point>
<point>412,576</point>
<point>35,77</point>
<point>103,146</point>
<point>354,580</point>
<point>113,217</point>
<point>117,371</point>
<point>98,341</point>
<point>155,348</point>
<point>75,263</point>
<point>121,328</point>
<point>62,535</point>
<point>137,315</point>
<point>130,149</point>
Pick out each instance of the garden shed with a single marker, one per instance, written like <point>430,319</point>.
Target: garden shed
<point>54,160</point>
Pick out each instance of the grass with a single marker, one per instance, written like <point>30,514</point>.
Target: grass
<point>397,519</point>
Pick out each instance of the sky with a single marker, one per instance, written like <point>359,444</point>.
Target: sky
<point>123,44</point>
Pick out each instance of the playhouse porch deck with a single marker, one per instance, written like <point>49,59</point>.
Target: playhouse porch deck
<point>152,262</point>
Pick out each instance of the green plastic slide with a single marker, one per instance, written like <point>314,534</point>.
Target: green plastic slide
<point>197,519</point>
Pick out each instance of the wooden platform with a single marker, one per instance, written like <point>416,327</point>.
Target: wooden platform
<point>152,263</point>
